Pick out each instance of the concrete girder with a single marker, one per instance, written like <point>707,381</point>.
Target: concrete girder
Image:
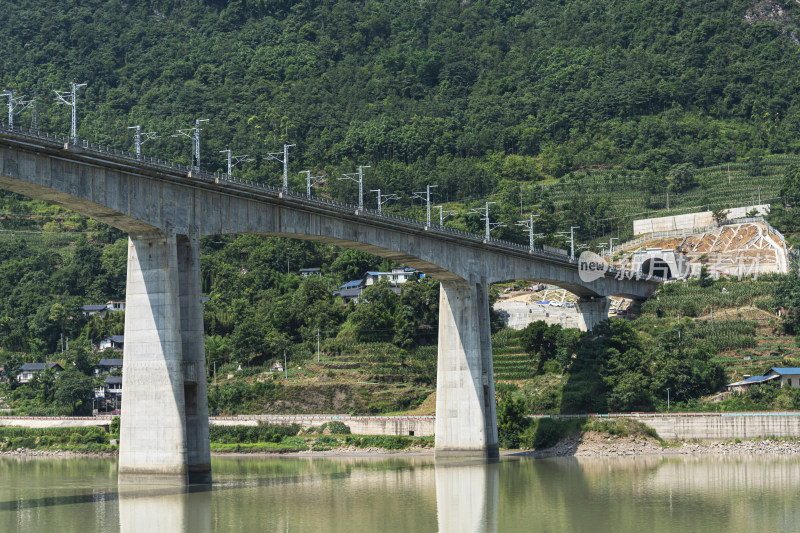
<point>136,198</point>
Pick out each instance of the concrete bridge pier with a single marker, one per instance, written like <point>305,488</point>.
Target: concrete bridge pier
<point>592,311</point>
<point>466,416</point>
<point>164,424</point>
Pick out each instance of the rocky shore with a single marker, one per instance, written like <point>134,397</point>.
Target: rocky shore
<point>593,444</point>
<point>589,444</point>
<point>54,453</point>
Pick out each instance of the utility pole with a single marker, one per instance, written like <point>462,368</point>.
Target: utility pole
<point>485,216</point>
<point>234,160</point>
<point>311,180</point>
<point>384,198</point>
<point>35,118</point>
<point>443,214</point>
<point>285,366</point>
<point>360,180</point>
<point>571,240</point>
<point>139,140</point>
<point>13,103</point>
<point>283,157</point>
<point>62,97</point>
<point>611,247</point>
<point>427,199</point>
<point>529,224</point>
<point>194,135</point>
<point>10,94</point>
<point>317,345</point>
<point>197,139</point>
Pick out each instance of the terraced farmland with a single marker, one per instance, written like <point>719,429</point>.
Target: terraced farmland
<point>511,363</point>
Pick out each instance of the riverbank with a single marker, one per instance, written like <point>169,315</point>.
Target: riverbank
<point>594,444</point>
<point>590,444</point>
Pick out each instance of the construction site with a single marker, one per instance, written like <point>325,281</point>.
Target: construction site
<point>741,246</point>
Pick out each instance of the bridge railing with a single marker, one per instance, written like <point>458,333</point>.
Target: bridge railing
<point>211,177</point>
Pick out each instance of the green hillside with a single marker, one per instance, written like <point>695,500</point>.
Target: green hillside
<point>587,114</point>
<point>473,96</point>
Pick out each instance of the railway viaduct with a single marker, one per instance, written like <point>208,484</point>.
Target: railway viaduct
<point>164,208</point>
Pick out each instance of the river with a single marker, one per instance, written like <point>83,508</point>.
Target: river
<point>412,494</point>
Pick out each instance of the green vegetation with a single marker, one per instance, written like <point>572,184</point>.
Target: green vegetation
<point>586,114</point>
<point>628,366</point>
<point>515,430</point>
<point>577,101</point>
<point>286,439</point>
<point>767,396</point>
<point>73,439</point>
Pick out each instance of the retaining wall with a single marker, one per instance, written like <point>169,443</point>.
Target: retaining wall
<point>420,426</point>
<point>517,315</point>
<point>54,421</point>
<point>714,426</point>
<point>678,426</point>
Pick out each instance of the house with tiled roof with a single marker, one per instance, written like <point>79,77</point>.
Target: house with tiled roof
<point>116,342</point>
<point>29,370</point>
<point>106,366</point>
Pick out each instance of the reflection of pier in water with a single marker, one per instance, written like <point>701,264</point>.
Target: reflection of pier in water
<point>466,496</point>
<point>158,509</point>
<point>324,495</point>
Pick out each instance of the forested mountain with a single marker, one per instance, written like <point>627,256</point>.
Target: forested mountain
<point>462,94</point>
<point>534,105</point>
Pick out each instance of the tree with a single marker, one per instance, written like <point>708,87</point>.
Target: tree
<point>81,359</point>
<point>541,340</point>
<point>511,421</point>
<point>373,318</point>
<point>74,391</point>
<point>682,177</point>
<point>786,294</point>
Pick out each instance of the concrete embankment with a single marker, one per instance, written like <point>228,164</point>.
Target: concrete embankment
<point>55,421</point>
<point>670,427</point>
<point>420,426</point>
<point>718,426</point>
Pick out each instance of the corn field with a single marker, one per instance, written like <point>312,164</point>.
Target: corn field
<point>723,335</point>
<point>693,300</point>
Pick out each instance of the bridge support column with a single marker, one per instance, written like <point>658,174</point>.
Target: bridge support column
<point>466,415</point>
<point>164,422</point>
<point>592,311</point>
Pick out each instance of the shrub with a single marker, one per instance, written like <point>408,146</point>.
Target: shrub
<point>511,422</point>
<point>337,428</point>
<point>326,441</point>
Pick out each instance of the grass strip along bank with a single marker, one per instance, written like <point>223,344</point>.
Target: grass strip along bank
<point>287,439</point>
<point>262,438</point>
<point>92,439</point>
